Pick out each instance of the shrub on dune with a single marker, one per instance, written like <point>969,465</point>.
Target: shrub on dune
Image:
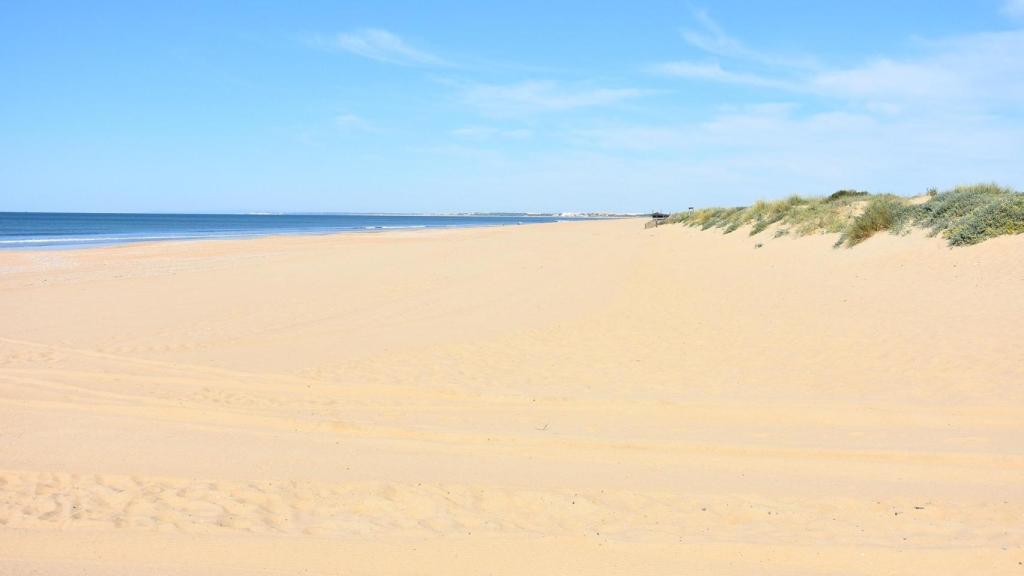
<point>998,217</point>
<point>845,194</point>
<point>964,215</point>
<point>883,213</point>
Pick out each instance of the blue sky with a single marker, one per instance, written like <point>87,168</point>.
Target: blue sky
<point>542,106</point>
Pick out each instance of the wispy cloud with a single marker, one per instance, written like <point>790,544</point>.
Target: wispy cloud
<point>352,122</point>
<point>714,71</point>
<point>384,46</point>
<point>772,150</point>
<point>944,112</point>
<point>775,70</point>
<point>887,78</point>
<point>973,71</point>
<point>631,137</point>
<point>981,71</point>
<point>1014,8</point>
<point>490,133</point>
<point>541,96</point>
<point>711,38</point>
<point>717,130</point>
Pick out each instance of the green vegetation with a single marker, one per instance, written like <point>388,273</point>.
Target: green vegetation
<point>964,215</point>
<point>881,213</point>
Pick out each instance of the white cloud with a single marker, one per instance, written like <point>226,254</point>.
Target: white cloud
<point>982,72</point>
<point>489,133</point>
<point>714,71</point>
<point>1014,8</point>
<point>945,112</point>
<point>352,122</point>
<point>384,46</point>
<point>764,151</point>
<point>711,38</point>
<point>632,137</point>
<point>536,96</point>
<point>888,78</point>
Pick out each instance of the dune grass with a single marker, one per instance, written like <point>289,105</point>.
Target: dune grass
<point>964,215</point>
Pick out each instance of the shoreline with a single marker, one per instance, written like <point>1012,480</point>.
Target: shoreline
<point>90,245</point>
<point>84,230</point>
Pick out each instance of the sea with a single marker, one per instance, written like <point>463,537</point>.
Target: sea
<point>21,230</point>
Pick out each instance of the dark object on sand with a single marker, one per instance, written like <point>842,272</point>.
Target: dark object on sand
<point>656,219</point>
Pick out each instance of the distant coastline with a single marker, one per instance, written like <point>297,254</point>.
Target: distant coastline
<point>55,230</point>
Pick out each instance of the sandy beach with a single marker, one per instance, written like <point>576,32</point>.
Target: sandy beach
<point>569,398</point>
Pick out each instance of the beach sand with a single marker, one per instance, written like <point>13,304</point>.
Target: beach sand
<point>570,398</point>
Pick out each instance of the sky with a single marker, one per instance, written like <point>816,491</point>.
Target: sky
<point>514,106</point>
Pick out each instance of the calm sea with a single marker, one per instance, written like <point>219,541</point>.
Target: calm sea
<point>65,230</point>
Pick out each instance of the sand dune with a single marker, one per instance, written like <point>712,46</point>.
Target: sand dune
<point>571,398</point>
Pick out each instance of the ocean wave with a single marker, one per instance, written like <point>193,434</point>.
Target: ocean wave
<point>58,230</point>
<point>83,239</point>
